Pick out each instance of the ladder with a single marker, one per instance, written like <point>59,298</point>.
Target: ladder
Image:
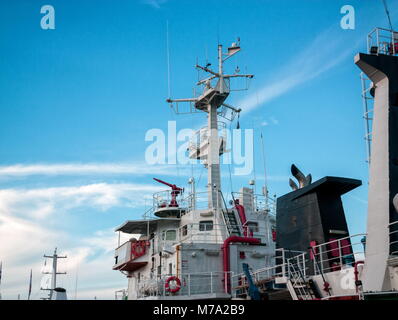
<point>231,222</point>
<point>297,284</point>
<point>367,102</point>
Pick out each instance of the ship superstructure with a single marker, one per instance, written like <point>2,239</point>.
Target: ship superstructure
<point>227,250</point>
<point>189,245</point>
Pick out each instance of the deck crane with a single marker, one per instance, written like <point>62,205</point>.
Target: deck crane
<point>175,191</point>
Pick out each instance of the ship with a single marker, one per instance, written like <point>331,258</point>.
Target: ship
<point>213,245</point>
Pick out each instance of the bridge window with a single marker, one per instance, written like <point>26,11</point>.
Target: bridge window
<point>206,225</point>
<point>170,235</point>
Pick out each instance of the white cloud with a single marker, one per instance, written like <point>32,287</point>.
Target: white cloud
<point>40,203</point>
<point>24,243</point>
<point>27,232</point>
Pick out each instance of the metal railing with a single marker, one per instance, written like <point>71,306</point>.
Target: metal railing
<point>259,202</point>
<point>197,201</point>
<point>162,199</point>
<point>335,254</point>
<point>284,262</point>
<point>393,234</point>
<point>383,41</point>
<point>191,284</point>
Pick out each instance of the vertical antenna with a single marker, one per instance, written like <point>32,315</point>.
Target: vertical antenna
<point>265,191</point>
<point>168,59</point>
<point>388,14</point>
<point>30,284</point>
<point>254,164</point>
<point>77,271</point>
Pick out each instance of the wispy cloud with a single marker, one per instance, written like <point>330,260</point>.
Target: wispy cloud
<point>20,170</point>
<point>325,52</point>
<point>154,3</point>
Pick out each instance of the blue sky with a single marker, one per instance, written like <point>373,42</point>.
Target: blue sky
<point>76,103</point>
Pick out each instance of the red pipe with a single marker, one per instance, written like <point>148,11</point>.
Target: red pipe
<point>356,273</point>
<point>225,249</point>
<point>242,217</point>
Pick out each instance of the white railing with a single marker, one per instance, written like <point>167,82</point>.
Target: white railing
<point>334,255</point>
<point>284,260</point>
<point>191,284</point>
<point>162,199</point>
<point>383,41</point>
<point>259,202</point>
<point>393,234</point>
<point>197,201</point>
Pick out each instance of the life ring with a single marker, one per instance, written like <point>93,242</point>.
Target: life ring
<point>138,248</point>
<point>175,287</point>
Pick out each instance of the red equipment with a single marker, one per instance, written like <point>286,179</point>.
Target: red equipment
<point>176,287</point>
<point>138,248</point>
<point>175,191</point>
<point>225,249</point>
<point>242,217</point>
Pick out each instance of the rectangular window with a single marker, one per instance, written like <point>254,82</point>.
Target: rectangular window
<point>206,225</point>
<point>253,226</point>
<point>184,230</point>
<point>171,235</point>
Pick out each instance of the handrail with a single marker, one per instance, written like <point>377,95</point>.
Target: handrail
<point>191,284</point>
<point>323,252</point>
<point>384,41</point>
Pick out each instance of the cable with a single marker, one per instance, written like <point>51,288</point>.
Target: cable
<point>388,14</point>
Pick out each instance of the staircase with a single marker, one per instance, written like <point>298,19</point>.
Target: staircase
<point>231,222</point>
<point>299,287</point>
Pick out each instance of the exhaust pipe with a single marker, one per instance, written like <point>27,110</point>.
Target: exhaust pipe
<point>293,185</point>
<point>301,178</point>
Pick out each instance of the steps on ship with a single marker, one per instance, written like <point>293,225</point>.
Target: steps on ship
<point>232,222</point>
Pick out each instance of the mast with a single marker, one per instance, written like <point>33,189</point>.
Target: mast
<point>210,101</point>
<point>53,273</point>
